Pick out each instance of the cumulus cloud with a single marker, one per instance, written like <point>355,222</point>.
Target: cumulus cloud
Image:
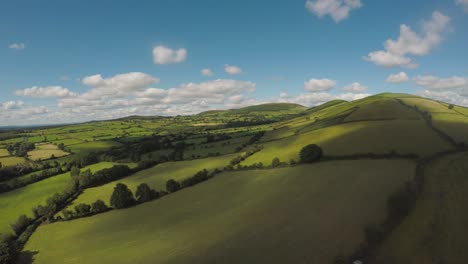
<point>338,10</point>
<point>319,85</point>
<point>436,83</point>
<point>463,3</point>
<point>17,46</point>
<point>445,96</point>
<point>355,88</point>
<point>313,99</point>
<point>165,55</point>
<point>42,92</point>
<point>207,72</point>
<point>400,77</point>
<point>233,70</point>
<point>120,85</point>
<point>409,43</point>
<point>11,105</point>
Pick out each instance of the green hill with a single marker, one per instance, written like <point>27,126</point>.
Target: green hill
<point>256,213</point>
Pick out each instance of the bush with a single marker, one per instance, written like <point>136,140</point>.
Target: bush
<point>8,250</point>
<point>172,186</point>
<point>275,163</point>
<point>99,207</point>
<point>144,193</point>
<point>82,209</point>
<point>122,197</point>
<point>21,224</point>
<point>310,153</point>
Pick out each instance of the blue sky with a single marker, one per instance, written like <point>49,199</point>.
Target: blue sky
<point>70,61</point>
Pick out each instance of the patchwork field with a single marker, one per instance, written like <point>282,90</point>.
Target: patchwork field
<point>93,146</point>
<point>4,153</point>
<point>455,125</point>
<point>266,216</point>
<point>156,177</point>
<point>21,201</point>
<point>380,137</point>
<point>436,230</point>
<point>46,151</point>
<point>11,161</point>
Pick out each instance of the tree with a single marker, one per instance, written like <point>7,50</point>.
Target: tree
<point>275,162</point>
<point>21,224</point>
<point>75,172</point>
<point>82,209</point>
<point>144,193</point>
<point>172,186</point>
<point>98,207</point>
<point>8,249</point>
<point>310,153</point>
<point>61,146</point>
<point>122,197</point>
<point>451,106</point>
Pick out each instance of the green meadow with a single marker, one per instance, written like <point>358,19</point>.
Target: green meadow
<point>266,216</point>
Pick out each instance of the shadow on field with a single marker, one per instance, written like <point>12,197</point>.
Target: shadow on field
<point>27,257</point>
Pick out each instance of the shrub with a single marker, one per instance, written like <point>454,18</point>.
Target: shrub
<point>144,193</point>
<point>82,209</point>
<point>172,186</point>
<point>122,197</point>
<point>98,207</point>
<point>21,224</point>
<point>8,250</point>
<point>275,163</point>
<point>310,153</point>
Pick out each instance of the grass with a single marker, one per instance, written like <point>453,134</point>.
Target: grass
<point>305,214</point>
<point>427,105</point>
<point>46,151</point>
<point>380,137</point>
<point>21,201</point>
<point>383,109</point>
<point>93,146</point>
<point>156,177</point>
<point>436,230</point>
<point>12,161</point>
<point>455,125</point>
<point>4,153</point>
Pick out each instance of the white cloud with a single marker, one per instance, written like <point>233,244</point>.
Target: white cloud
<point>355,88</point>
<point>400,77</point>
<point>207,72</point>
<point>17,46</point>
<point>42,92</point>
<point>463,3</point>
<point>436,83</point>
<point>11,105</point>
<point>233,70</point>
<point>165,55</point>
<point>120,85</point>
<point>313,99</point>
<point>445,96</point>
<point>337,9</point>
<point>319,85</point>
<point>410,43</point>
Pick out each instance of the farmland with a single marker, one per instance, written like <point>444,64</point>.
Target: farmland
<point>236,216</point>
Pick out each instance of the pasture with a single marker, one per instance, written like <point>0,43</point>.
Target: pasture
<point>46,151</point>
<point>436,229</point>
<point>156,177</point>
<point>379,137</point>
<point>22,200</point>
<point>304,214</point>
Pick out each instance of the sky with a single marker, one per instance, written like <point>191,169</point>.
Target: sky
<point>66,61</point>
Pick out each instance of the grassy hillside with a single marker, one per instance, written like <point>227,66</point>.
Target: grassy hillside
<point>21,201</point>
<point>304,214</point>
<point>436,230</point>
<point>156,177</point>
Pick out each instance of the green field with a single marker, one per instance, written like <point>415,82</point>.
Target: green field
<point>93,146</point>
<point>156,177</point>
<point>402,136</point>
<point>46,151</point>
<point>436,231</point>
<point>4,153</point>
<point>21,201</point>
<point>455,125</point>
<point>305,214</point>
<point>12,161</point>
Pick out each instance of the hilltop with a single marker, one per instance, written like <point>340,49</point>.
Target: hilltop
<point>389,165</point>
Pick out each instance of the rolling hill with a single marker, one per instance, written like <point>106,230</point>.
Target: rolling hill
<point>264,206</point>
